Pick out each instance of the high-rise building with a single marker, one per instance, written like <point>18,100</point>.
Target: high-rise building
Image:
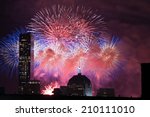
<point>24,57</point>
<point>26,85</point>
<point>24,61</point>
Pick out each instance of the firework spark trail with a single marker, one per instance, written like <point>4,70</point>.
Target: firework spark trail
<point>109,53</point>
<point>64,39</point>
<point>107,58</point>
<point>68,24</point>
<point>9,52</point>
<point>59,63</point>
<point>9,49</point>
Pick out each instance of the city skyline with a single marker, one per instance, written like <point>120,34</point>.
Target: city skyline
<point>127,32</point>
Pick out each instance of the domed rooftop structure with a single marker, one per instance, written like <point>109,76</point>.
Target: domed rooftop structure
<point>79,79</point>
<point>80,85</point>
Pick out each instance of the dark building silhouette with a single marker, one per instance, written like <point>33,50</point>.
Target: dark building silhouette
<point>106,92</point>
<point>58,92</point>
<point>64,90</point>
<point>26,86</point>
<point>24,61</point>
<point>79,85</point>
<point>145,74</point>
<point>33,87</point>
<point>2,90</point>
<point>24,57</point>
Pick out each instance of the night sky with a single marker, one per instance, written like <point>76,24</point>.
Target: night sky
<point>128,19</point>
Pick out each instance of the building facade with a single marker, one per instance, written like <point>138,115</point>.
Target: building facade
<point>106,92</point>
<point>78,85</point>
<point>24,57</point>
<point>26,85</point>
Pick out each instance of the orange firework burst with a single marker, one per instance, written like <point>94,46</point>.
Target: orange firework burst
<point>50,88</point>
<point>109,56</point>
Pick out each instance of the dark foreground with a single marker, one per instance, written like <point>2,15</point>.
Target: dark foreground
<point>47,97</point>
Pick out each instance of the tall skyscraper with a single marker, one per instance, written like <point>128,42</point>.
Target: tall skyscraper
<point>24,57</point>
<point>24,61</point>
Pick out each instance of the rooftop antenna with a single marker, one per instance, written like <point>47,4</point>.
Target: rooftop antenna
<point>79,69</point>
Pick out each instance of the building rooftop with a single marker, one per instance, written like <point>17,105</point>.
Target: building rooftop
<point>79,80</point>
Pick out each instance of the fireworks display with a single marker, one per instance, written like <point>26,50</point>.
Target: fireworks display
<point>109,54</point>
<point>69,24</point>
<point>64,39</point>
<point>9,50</point>
<point>50,88</point>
